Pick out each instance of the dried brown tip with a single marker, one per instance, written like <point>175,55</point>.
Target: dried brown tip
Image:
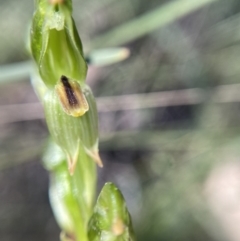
<point>97,159</point>
<point>95,156</point>
<point>118,227</point>
<point>72,162</point>
<point>71,168</point>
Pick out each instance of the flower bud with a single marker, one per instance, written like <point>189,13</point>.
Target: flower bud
<point>60,194</point>
<point>55,44</point>
<point>111,220</point>
<point>71,197</point>
<point>69,213</point>
<point>69,132</point>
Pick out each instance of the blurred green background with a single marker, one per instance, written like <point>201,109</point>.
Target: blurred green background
<point>168,115</point>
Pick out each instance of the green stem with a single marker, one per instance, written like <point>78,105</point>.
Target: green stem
<point>149,22</point>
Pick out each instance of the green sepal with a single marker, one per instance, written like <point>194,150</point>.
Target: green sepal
<point>55,43</point>
<point>111,220</point>
<point>73,133</point>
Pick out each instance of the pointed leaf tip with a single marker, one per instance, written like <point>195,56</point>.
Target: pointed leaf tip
<point>94,154</point>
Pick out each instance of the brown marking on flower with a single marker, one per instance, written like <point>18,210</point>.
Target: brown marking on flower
<point>71,97</point>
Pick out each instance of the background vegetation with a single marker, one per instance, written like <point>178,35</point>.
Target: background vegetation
<point>169,117</point>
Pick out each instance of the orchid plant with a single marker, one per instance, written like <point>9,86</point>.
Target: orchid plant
<point>72,152</point>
